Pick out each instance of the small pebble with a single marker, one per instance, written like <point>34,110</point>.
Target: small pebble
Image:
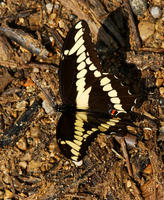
<point>49,7</point>
<point>156,12</point>
<point>21,20</point>
<point>161,90</point>
<point>21,144</point>
<point>35,70</point>
<point>23,164</point>
<point>51,39</point>
<point>47,107</point>
<point>61,24</point>
<point>29,83</point>
<point>52,146</point>
<point>7,179</point>
<point>146,29</point>
<point>138,6</point>
<point>2,4</point>
<point>129,184</point>
<point>148,169</point>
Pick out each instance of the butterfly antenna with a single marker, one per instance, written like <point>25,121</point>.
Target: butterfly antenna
<point>48,97</point>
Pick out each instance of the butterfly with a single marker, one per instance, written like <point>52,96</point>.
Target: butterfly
<point>93,102</point>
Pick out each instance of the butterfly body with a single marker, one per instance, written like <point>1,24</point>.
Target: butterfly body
<point>93,102</point>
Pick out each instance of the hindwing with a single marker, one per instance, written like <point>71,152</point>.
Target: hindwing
<point>76,131</point>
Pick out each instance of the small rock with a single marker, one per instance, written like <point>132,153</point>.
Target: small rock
<point>161,90</point>
<point>29,83</point>
<point>8,194</point>
<point>129,184</point>
<point>21,144</point>
<point>61,24</point>
<point>23,164</point>
<point>156,12</point>
<point>35,70</point>
<point>47,107</point>
<point>52,146</point>
<point>51,39</point>
<point>138,6</point>
<point>148,170</point>
<point>2,4</point>
<point>21,20</point>
<point>49,7</point>
<point>146,29</point>
<point>6,179</point>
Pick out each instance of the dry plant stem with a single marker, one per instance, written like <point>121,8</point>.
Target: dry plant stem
<point>149,49</point>
<point>132,24</point>
<point>25,40</point>
<point>123,145</point>
<point>57,37</point>
<point>33,77</point>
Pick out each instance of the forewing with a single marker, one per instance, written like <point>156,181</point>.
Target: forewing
<point>82,83</point>
<point>78,55</point>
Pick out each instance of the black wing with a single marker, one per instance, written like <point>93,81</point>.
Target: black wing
<point>76,131</point>
<point>82,83</point>
<point>85,87</point>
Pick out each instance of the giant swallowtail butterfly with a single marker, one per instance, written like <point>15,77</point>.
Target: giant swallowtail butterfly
<point>93,102</point>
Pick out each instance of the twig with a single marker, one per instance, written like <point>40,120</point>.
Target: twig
<point>33,77</point>
<point>56,36</point>
<point>149,49</point>
<point>123,145</point>
<point>25,40</point>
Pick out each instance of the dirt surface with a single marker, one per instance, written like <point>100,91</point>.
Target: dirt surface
<point>130,44</point>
